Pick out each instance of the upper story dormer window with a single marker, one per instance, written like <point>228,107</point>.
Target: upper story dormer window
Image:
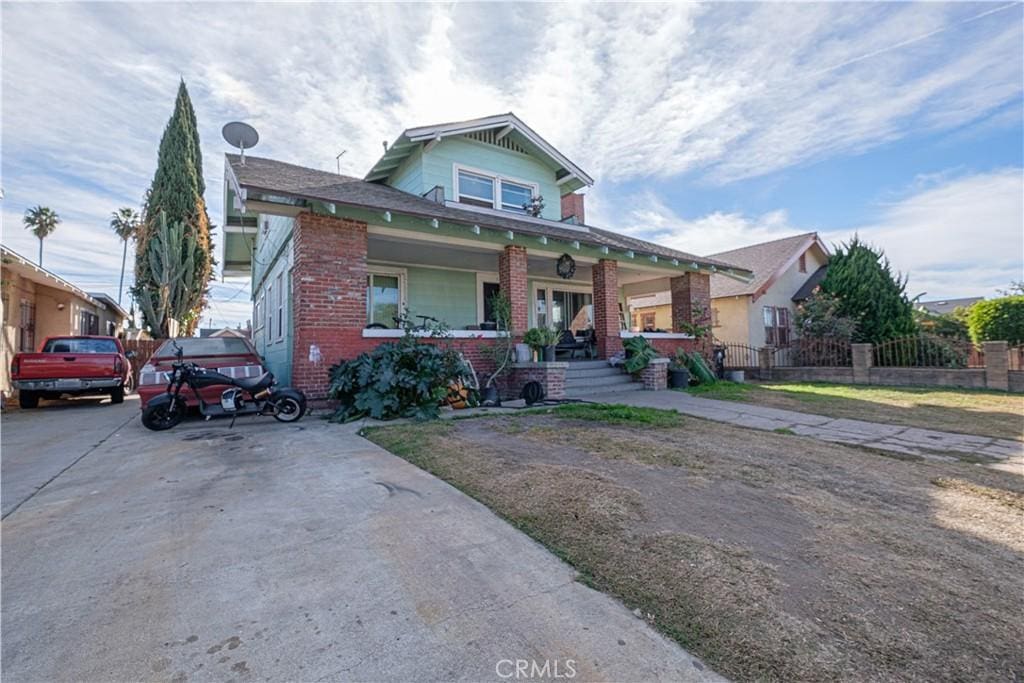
<point>479,188</point>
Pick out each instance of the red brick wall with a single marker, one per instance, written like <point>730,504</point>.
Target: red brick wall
<point>512,280</point>
<point>572,205</point>
<point>667,347</point>
<point>689,291</point>
<point>328,294</point>
<point>606,307</point>
<point>550,375</point>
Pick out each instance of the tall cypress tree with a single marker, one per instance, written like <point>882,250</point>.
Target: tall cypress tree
<point>867,290</point>
<point>176,196</point>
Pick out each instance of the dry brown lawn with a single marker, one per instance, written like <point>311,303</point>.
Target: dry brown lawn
<point>770,556</point>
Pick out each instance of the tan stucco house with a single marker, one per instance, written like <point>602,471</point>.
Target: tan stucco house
<point>761,312</point>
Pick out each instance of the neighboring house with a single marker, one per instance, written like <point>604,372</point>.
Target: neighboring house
<point>237,332</point>
<point>762,312</point>
<point>947,305</point>
<point>651,312</point>
<point>37,304</point>
<point>437,226</point>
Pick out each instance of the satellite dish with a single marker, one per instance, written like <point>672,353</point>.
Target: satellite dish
<point>240,135</point>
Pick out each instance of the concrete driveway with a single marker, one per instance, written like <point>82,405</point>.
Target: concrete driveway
<point>281,553</point>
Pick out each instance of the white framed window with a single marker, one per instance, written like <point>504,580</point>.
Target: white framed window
<point>491,191</point>
<point>280,306</point>
<point>562,305</point>
<point>270,313</point>
<point>385,296</point>
<point>487,285</point>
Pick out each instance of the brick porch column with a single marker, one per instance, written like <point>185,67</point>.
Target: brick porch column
<point>689,291</point>
<point>606,307</point>
<point>328,297</point>
<point>512,281</point>
<point>997,365</point>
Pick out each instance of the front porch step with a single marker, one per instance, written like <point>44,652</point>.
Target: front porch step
<point>607,370</point>
<point>600,381</point>
<point>583,392</point>
<point>587,364</point>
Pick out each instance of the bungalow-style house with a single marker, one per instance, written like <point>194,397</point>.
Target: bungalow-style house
<point>449,215</point>
<point>761,312</point>
<point>36,303</point>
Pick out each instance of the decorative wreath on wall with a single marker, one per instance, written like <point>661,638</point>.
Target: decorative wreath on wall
<point>566,267</point>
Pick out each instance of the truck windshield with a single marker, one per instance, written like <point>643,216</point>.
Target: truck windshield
<point>72,345</point>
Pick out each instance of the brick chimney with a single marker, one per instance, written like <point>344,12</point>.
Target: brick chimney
<point>572,206</point>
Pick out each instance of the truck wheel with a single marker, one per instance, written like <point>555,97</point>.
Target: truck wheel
<point>28,399</point>
<point>117,395</point>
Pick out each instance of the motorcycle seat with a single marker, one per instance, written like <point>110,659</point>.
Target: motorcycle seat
<point>254,384</point>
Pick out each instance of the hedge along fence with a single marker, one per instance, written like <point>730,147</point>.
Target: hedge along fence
<point>815,352</point>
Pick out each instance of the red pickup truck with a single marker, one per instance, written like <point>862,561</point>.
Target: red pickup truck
<point>77,366</point>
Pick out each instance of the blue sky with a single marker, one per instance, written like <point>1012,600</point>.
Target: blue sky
<point>706,127</point>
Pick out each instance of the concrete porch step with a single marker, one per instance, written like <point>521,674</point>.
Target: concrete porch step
<point>587,364</point>
<point>583,392</point>
<point>592,372</point>
<point>601,381</point>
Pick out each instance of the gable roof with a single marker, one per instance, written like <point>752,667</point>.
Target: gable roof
<point>279,178</point>
<point>943,306</point>
<point>808,287</point>
<point>30,271</point>
<point>767,260</point>
<point>506,124</point>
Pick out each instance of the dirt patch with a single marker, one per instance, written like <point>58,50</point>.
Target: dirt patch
<point>771,556</point>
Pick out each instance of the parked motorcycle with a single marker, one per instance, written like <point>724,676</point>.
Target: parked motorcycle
<point>246,396</point>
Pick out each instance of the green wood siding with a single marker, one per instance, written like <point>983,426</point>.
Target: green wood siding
<point>409,176</point>
<point>435,168</point>
<point>269,244</point>
<point>448,295</point>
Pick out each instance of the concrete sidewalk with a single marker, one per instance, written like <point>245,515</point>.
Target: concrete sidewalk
<point>1004,453</point>
<point>287,553</point>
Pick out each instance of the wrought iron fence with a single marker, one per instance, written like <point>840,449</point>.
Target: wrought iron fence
<point>739,355</point>
<point>814,352</point>
<point>928,351</point>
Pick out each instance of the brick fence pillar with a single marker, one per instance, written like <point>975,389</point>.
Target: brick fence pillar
<point>997,365</point>
<point>764,362</point>
<point>512,281</point>
<point>328,296</point>
<point>862,361</point>
<point>655,375</point>
<point>605,276</point>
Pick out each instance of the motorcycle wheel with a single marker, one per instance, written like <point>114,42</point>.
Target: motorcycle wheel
<point>160,417</point>
<point>288,409</point>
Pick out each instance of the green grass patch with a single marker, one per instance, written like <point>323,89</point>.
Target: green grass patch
<point>784,430</point>
<point>726,391</point>
<point>618,414</point>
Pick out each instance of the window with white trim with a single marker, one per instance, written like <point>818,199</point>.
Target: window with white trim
<point>384,297</point>
<point>776,325</point>
<point>280,306</point>
<point>479,188</point>
<point>270,314</point>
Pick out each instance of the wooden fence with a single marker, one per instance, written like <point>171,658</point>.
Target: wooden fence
<point>144,350</point>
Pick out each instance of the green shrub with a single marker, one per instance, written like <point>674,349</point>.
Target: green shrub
<point>407,378</point>
<point>997,320</point>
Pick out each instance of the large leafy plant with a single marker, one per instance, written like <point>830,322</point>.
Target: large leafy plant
<point>407,378</point>
<point>639,354</point>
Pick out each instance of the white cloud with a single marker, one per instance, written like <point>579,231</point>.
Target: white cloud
<point>964,237</point>
<point>727,91</point>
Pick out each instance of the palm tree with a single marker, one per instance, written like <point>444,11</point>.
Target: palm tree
<point>41,220</point>
<point>125,222</point>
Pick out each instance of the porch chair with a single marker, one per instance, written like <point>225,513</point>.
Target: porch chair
<point>568,342</point>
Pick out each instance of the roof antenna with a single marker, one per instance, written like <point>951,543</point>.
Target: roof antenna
<point>337,160</point>
<point>240,135</point>
<point>385,143</point>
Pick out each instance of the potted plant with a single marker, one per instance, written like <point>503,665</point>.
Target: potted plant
<point>534,337</point>
<point>678,372</point>
<point>501,351</point>
<point>549,337</point>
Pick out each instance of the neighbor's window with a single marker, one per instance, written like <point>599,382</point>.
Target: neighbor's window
<point>514,196</point>
<point>776,326</point>
<point>383,298</point>
<point>647,321</point>
<point>476,190</point>
<point>803,263</point>
<point>270,312</point>
<point>27,327</point>
<point>88,323</point>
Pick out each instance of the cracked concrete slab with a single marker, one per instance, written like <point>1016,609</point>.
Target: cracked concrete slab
<point>286,552</point>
